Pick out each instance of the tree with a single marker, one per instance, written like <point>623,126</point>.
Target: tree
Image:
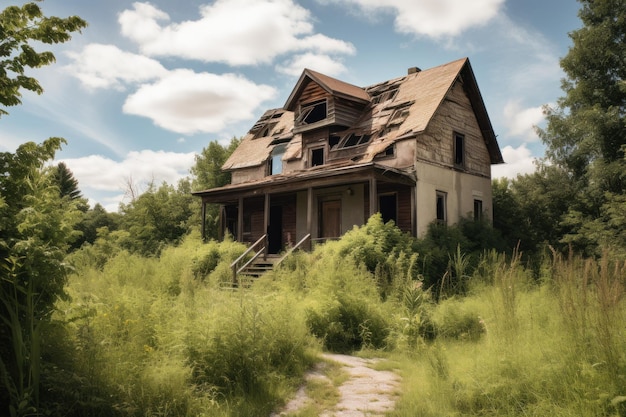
<point>208,173</point>
<point>586,132</point>
<point>157,217</point>
<point>36,226</point>
<point>20,27</point>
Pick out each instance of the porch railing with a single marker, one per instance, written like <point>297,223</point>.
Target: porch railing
<point>297,246</point>
<point>262,243</point>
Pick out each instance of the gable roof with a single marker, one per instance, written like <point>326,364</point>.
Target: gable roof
<point>333,86</point>
<point>421,93</point>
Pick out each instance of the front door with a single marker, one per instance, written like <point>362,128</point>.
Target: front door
<point>275,230</point>
<point>330,219</point>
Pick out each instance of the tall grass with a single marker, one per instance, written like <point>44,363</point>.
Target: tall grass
<point>551,348</point>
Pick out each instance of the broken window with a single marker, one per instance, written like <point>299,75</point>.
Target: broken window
<point>385,95</point>
<point>333,140</point>
<point>275,162</point>
<point>354,140</point>
<point>459,150</point>
<point>317,157</point>
<point>312,112</point>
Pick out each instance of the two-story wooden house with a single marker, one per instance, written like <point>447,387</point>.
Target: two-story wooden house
<point>418,148</point>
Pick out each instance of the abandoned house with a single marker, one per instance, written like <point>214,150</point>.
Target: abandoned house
<point>417,149</point>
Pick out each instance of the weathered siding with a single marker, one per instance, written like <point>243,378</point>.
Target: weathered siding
<point>436,145</point>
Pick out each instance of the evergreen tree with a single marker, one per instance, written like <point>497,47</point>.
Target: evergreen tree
<point>68,185</point>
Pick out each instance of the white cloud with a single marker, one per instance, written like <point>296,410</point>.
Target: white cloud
<point>321,63</point>
<point>235,32</point>
<point>433,18</point>
<point>187,102</point>
<point>521,122</point>
<point>106,181</point>
<point>517,161</point>
<point>107,66</point>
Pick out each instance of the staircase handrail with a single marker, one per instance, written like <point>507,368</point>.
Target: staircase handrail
<point>252,247</point>
<point>295,247</point>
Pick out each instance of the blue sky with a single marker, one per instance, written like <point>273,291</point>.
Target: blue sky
<point>147,85</point>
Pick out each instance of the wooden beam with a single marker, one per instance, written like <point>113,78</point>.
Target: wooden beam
<point>266,222</point>
<point>373,196</point>
<point>413,212</point>
<point>309,213</point>
<point>240,220</point>
<point>203,220</point>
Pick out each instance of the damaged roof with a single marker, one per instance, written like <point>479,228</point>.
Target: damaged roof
<point>394,110</point>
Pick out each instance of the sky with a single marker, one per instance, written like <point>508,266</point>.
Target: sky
<point>147,85</point>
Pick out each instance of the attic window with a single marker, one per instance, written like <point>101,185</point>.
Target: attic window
<point>312,112</point>
<point>265,131</point>
<point>355,140</point>
<point>385,95</point>
<point>317,157</point>
<point>333,140</point>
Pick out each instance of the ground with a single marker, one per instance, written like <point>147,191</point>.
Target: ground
<point>362,391</point>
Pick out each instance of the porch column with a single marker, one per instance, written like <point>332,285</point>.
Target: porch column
<point>203,220</point>
<point>266,222</point>
<point>413,212</point>
<point>220,226</point>
<point>240,220</point>
<point>373,197</point>
<point>309,215</point>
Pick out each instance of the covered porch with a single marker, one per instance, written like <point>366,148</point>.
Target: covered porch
<point>321,204</point>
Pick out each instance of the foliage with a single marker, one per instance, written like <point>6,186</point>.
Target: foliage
<point>92,222</point>
<point>586,132</point>
<point>207,173</point>
<point>20,28</point>
<point>157,217</point>
<point>36,226</point>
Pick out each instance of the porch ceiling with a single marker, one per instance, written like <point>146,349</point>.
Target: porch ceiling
<point>303,180</point>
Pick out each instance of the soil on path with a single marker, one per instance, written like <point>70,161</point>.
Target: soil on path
<point>366,392</point>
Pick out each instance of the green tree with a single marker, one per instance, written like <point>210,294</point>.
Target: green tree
<point>20,28</point>
<point>207,173</point>
<point>68,185</point>
<point>157,217</point>
<point>586,131</point>
<point>36,226</point>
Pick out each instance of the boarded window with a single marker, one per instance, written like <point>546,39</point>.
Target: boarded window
<point>441,207</point>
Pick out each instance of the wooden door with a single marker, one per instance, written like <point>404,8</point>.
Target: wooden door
<point>330,219</point>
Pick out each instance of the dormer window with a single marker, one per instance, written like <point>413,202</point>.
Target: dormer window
<point>275,162</point>
<point>312,112</point>
<point>355,140</point>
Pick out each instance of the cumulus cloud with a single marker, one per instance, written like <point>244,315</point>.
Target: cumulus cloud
<point>517,161</point>
<point>107,66</point>
<point>433,18</point>
<point>320,63</point>
<point>521,122</point>
<point>187,102</point>
<point>105,180</point>
<point>235,32</point>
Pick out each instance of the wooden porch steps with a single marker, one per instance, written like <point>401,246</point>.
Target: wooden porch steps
<point>260,266</point>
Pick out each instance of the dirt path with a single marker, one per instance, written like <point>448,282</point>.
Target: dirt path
<point>366,392</point>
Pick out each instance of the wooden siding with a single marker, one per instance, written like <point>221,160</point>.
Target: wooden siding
<point>253,207</point>
<point>403,203</point>
<point>436,145</point>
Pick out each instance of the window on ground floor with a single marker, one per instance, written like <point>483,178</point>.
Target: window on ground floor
<point>442,216</point>
<point>478,210</point>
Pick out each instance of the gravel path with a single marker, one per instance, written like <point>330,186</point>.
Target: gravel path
<point>366,392</point>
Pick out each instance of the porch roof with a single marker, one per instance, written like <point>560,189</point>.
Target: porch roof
<point>302,180</point>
